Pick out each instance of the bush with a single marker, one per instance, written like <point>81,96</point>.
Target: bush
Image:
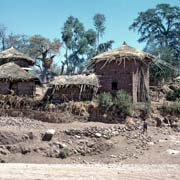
<point>105,100</point>
<point>173,95</point>
<point>64,153</point>
<point>171,108</point>
<point>123,102</point>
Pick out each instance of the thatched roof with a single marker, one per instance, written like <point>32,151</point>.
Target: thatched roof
<point>13,72</point>
<point>13,54</point>
<point>65,80</point>
<point>125,52</point>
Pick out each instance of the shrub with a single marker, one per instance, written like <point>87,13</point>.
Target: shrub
<point>173,95</point>
<point>123,102</point>
<point>171,108</point>
<point>105,100</point>
<point>64,153</point>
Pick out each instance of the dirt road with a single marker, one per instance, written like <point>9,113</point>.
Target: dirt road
<point>88,172</point>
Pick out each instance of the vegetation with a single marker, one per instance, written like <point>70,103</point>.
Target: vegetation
<point>64,153</point>
<point>43,51</point>
<point>159,28</point>
<point>173,95</point>
<point>171,108</point>
<point>122,102</point>
<point>105,100</point>
<point>81,44</point>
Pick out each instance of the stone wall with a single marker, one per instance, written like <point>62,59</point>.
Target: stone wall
<point>125,74</point>
<point>4,87</point>
<point>19,88</point>
<point>26,88</point>
<point>72,93</point>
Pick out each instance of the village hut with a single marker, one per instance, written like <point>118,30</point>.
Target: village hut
<point>124,68</point>
<point>13,55</point>
<point>72,88</point>
<point>15,79</point>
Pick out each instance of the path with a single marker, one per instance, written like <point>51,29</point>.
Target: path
<point>88,172</point>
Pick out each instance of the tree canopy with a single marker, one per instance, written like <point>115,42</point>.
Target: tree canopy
<point>160,26</point>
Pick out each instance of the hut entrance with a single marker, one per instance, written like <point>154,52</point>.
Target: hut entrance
<point>114,86</point>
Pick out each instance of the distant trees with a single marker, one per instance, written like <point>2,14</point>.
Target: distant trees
<point>77,42</point>
<point>81,44</point>
<point>43,51</point>
<point>7,40</point>
<point>99,24</point>
<point>160,26</point>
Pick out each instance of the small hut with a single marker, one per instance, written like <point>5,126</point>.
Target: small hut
<point>14,79</point>
<point>13,55</point>
<point>124,68</point>
<point>75,87</point>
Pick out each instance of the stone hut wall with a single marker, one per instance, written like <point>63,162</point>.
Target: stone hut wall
<point>126,75</point>
<point>4,87</point>
<point>26,88</point>
<point>19,88</point>
<point>71,93</point>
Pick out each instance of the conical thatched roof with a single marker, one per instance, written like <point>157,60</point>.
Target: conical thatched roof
<point>88,80</point>
<point>13,72</point>
<point>13,54</point>
<point>125,52</point>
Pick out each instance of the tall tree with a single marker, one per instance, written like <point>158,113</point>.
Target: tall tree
<point>99,23</point>
<point>160,24</point>
<point>77,42</point>
<point>3,33</point>
<point>43,51</point>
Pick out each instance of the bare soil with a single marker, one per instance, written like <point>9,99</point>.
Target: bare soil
<point>21,142</point>
<point>90,172</point>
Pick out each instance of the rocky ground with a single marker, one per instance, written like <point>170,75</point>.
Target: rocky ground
<point>25,140</point>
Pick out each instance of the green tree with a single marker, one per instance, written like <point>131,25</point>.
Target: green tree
<point>3,34</point>
<point>99,23</point>
<point>160,26</point>
<point>160,23</point>
<point>43,51</point>
<point>77,43</point>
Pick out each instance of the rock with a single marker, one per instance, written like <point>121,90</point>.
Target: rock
<point>31,135</point>
<point>48,135</point>
<point>25,150</point>
<point>77,136</point>
<point>90,144</point>
<point>172,152</point>
<point>98,135</point>
<point>113,156</point>
<point>4,151</point>
<point>159,120</point>
<point>60,145</point>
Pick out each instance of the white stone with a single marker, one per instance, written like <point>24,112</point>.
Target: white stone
<point>172,151</point>
<point>98,135</point>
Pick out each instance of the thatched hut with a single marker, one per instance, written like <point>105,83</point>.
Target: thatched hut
<point>14,79</point>
<point>13,55</point>
<point>75,87</point>
<point>124,68</point>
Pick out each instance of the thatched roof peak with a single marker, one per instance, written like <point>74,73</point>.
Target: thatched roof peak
<point>125,52</point>
<point>13,53</point>
<point>13,72</point>
<point>66,80</point>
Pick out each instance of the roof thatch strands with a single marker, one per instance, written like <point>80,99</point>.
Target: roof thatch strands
<point>12,53</point>
<point>13,72</point>
<point>125,52</point>
<point>65,80</point>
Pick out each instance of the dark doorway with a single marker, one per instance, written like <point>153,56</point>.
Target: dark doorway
<point>114,86</point>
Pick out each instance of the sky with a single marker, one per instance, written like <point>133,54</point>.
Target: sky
<point>46,17</point>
